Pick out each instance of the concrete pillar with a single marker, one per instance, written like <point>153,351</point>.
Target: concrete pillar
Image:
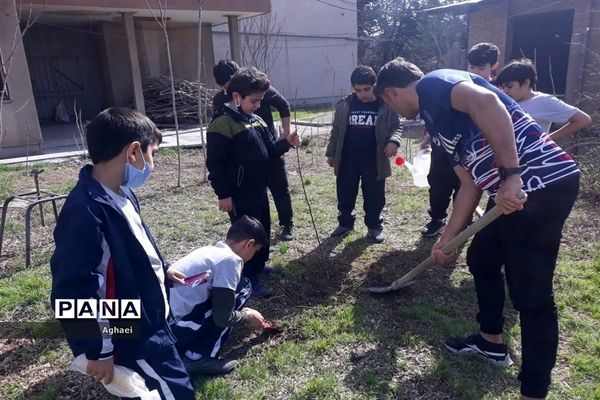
<point>234,37</point>
<point>207,55</point>
<point>20,132</point>
<point>134,61</point>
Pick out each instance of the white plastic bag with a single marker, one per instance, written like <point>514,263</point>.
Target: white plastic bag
<point>61,114</point>
<point>419,169</point>
<point>125,383</point>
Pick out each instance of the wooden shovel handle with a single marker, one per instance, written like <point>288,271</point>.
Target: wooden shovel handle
<point>452,245</point>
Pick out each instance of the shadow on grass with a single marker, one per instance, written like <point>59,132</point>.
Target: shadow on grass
<point>66,385</point>
<point>308,282</point>
<point>23,355</point>
<point>407,358</point>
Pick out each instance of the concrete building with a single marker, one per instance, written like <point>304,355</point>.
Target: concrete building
<point>91,54</point>
<point>312,47</point>
<point>562,37</point>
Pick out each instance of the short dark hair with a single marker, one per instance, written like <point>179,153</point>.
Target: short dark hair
<point>247,228</point>
<point>397,73</point>
<point>224,70</point>
<point>114,128</point>
<point>363,75</point>
<point>247,81</point>
<point>483,53</point>
<point>518,70</point>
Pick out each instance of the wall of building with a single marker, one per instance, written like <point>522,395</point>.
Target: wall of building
<point>491,21</point>
<point>117,65</point>
<point>316,42</point>
<point>20,130</point>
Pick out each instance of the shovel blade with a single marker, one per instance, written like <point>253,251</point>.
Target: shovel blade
<point>387,289</point>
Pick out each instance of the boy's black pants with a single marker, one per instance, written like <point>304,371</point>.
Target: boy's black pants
<point>197,332</point>
<point>355,170</point>
<point>254,205</point>
<point>279,187</point>
<point>443,184</point>
<point>527,243</point>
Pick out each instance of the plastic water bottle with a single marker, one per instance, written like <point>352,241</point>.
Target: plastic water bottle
<point>421,164</point>
<point>419,168</point>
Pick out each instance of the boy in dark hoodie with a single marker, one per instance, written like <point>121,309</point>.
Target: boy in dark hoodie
<point>240,147</point>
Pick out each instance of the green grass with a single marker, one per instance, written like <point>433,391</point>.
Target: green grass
<point>322,388</point>
<point>338,342</point>
<point>24,288</point>
<point>63,188</point>
<point>305,114</point>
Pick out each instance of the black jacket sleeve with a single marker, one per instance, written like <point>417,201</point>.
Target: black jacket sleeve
<point>276,100</point>
<point>218,160</point>
<point>223,308</point>
<point>276,148</point>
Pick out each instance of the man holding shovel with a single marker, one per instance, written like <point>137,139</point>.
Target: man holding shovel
<point>494,146</point>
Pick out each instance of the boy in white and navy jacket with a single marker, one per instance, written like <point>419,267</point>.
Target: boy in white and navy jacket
<point>212,301</point>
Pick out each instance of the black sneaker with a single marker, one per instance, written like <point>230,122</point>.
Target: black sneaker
<point>475,345</point>
<point>433,227</point>
<point>376,235</point>
<point>287,233</point>
<point>340,230</point>
<point>209,365</point>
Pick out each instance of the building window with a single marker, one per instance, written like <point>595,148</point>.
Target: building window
<point>2,80</point>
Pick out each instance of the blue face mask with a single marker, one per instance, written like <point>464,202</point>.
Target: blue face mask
<point>134,177</point>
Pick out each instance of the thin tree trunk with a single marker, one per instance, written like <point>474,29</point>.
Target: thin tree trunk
<point>173,99</point>
<point>162,22</point>
<point>200,105</point>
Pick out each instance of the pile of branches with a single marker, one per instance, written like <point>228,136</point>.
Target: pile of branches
<point>157,96</point>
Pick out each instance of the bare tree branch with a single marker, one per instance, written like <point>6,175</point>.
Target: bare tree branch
<point>161,20</point>
<point>200,89</point>
<point>260,45</point>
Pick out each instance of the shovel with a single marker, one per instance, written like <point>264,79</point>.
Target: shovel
<point>452,245</point>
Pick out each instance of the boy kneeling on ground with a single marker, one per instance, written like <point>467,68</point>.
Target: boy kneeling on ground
<point>212,301</point>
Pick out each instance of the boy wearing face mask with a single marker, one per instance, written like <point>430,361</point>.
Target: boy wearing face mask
<point>278,181</point>
<point>105,251</point>
<point>239,147</point>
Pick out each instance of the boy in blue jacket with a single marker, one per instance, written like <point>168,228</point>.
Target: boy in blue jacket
<point>105,251</point>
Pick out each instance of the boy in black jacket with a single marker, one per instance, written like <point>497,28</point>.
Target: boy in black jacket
<point>278,182</point>
<point>239,149</point>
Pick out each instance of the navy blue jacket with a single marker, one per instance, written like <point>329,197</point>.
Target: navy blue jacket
<point>98,256</point>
